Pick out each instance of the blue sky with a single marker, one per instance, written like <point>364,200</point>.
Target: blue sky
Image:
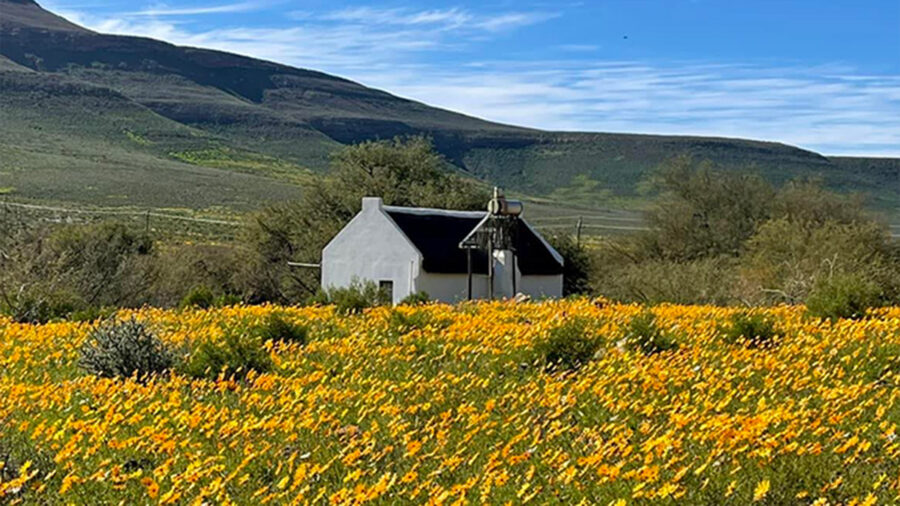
<point>822,74</point>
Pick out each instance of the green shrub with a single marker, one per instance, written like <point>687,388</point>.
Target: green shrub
<point>204,298</point>
<point>238,353</point>
<point>37,306</point>
<point>354,298</point>
<point>415,299</point>
<point>577,266</point>
<point>199,297</point>
<point>643,334</point>
<point>278,328</point>
<point>228,299</point>
<point>17,449</point>
<point>842,296</point>
<point>754,330</point>
<point>125,349</point>
<point>568,346</point>
<point>400,323</point>
<point>883,364</point>
<point>92,314</point>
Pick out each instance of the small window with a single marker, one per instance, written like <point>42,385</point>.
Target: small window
<point>386,287</point>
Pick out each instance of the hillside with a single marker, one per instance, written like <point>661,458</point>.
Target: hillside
<point>111,120</point>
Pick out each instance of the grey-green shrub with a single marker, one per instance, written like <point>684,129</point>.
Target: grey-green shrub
<point>123,349</point>
<point>568,346</point>
<point>645,335</point>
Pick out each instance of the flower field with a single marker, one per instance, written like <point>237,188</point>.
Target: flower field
<point>453,405</point>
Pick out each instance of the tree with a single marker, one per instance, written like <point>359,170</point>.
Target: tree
<point>578,267</point>
<point>809,203</point>
<point>403,172</point>
<point>48,272</point>
<point>705,212</point>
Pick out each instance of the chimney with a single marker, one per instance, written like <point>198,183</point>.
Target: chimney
<point>372,203</point>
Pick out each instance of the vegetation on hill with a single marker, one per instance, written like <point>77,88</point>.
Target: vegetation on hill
<point>114,120</point>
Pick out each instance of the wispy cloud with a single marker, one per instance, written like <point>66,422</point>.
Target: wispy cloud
<point>163,10</point>
<point>448,19</point>
<point>335,41</point>
<point>403,17</point>
<point>829,109</point>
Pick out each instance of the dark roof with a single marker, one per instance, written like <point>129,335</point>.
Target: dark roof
<point>437,233</point>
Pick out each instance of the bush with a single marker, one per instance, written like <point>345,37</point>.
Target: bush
<point>704,281</point>
<point>125,349</point>
<point>105,264</point>
<point>643,334</point>
<point>568,346</point>
<point>786,259</point>
<point>228,299</point>
<point>278,328</point>
<point>752,329</point>
<point>93,314</point>
<point>842,296</point>
<point>577,267</point>
<point>37,306</point>
<point>183,268</point>
<point>238,353</point>
<point>200,297</point>
<point>354,298</point>
<point>400,323</point>
<point>415,299</point>
<point>705,211</point>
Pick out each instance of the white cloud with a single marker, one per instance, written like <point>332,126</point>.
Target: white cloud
<point>447,19</point>
<point>163,10</point>
<point>372,16</point>
<point>837,114</point>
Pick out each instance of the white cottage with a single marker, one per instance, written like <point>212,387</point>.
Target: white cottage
<point>408,250</point>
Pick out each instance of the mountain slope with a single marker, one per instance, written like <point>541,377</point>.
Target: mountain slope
<point>187,109</point>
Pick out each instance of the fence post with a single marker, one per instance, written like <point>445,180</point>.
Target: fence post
<point>578,231</point>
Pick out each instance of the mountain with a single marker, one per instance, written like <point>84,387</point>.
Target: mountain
<point>108,119</point>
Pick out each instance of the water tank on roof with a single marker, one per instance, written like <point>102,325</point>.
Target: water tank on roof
<point>501,206</point>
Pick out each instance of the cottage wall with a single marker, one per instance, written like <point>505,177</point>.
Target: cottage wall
<point>541,286</point>
<point>451,287</point>
<point>371,248</point>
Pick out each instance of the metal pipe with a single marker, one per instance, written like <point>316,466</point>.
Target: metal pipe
<point>469,270</point>
<point>490,267</point>
<point>302,264</point>
<point>515,292</point>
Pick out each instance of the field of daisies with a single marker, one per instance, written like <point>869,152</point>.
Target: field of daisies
<point>562,402</point>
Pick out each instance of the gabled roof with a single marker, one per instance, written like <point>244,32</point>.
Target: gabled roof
<point>436,233</point>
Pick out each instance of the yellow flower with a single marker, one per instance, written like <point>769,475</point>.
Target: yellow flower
<point>151,486</point>
<point>762,488</point>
